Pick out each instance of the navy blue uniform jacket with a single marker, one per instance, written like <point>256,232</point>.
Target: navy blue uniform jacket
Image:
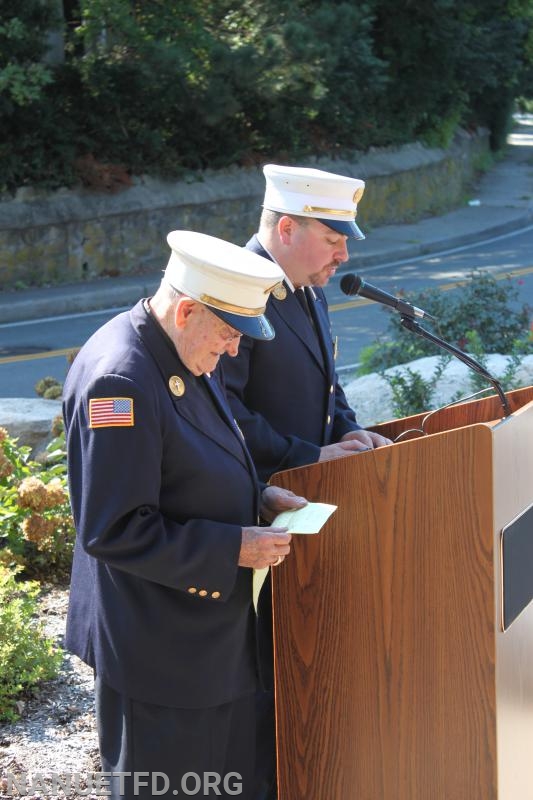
<point>158,605</point>
<point>285,394</point>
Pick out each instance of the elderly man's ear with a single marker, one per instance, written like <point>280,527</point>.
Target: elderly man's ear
<point>185,307</point>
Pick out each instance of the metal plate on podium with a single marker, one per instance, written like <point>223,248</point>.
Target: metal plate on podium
<point>517,566</point>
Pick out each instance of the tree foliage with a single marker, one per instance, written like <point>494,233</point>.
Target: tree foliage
<point>166,87</point>
<point>23,31</point>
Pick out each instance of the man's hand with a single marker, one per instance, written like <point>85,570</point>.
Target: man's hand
<point>267,547</point>
<point>368,438</point>
<point>264,547</point>
<point>275,499</point>
<point>353,442</point>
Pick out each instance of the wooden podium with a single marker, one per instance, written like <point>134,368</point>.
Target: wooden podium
<point>394,678</point>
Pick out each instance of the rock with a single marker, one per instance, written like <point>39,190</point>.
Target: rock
<point>371,395</point>
<point>30,420</point>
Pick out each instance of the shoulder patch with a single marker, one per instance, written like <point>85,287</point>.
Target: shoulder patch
<point>110,412</point>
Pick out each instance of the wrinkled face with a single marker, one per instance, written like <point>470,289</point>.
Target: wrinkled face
<point>204,338</point>
<point>313,252</point>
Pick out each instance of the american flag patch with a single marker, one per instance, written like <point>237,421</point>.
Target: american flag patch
<point>110,412</point>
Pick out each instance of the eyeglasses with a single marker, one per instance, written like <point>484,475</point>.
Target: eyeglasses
<point>229,337</point>
<point>225,331</point>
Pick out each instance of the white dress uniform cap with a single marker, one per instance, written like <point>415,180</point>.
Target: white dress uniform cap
<point>235,283</point>
<point>308,192</point>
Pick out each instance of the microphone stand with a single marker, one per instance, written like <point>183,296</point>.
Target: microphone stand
<point>412,325</point>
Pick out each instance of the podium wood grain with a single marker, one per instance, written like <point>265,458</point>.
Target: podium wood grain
<point>393,679</point>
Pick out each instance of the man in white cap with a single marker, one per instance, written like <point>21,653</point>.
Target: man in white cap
<point>287,398</point>
<point>166,504</point>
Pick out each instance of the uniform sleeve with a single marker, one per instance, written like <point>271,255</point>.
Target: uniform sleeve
<point>115,487</point>
<point>271,451</point>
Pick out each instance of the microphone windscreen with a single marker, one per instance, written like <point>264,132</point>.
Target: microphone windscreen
<point>350,284</point>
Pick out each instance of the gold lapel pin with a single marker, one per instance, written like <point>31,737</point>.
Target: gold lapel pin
<point>279,291</point>
<point>177,386</point>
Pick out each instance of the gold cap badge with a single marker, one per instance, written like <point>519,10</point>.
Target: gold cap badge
<point>279,291</point>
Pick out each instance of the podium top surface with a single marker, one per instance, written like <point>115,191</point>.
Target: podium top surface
<point>487,411</point>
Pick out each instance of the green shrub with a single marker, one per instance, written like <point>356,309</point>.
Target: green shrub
<point>481,317</point>
<point>484,305</point>
<point>37,530</point>
<point>27,656</point>
<point>411,392</point>
<point>477,381</point>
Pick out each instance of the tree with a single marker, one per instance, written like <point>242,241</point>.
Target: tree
<point>451,63</point>
<point>168,86</point>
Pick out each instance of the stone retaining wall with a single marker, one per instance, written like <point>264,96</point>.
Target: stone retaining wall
<point>70,235</point>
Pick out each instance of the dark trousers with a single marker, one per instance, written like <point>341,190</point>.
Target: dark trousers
<point>169,752</point>
<point>266,768</point>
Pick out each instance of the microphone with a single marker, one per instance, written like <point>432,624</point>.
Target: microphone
<point>353,284</point>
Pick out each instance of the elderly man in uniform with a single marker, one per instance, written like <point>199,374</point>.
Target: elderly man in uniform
<point>287,398</point>
<point>166,504</point>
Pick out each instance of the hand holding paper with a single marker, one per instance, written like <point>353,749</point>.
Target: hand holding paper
<point>309,519</point>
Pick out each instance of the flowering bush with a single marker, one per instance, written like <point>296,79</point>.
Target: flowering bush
<point>36,527</point>
<point>49,388</point>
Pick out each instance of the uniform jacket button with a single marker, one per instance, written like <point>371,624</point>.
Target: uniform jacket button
<point>215,595</point>
<point>202,593</point>
<point>192,589</point>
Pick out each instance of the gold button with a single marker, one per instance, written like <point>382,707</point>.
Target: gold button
<point>192,589</point>
<point>329,419</point>
<point>202,593</point>
<point>215,595</point>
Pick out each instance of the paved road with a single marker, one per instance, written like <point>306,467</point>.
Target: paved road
<point>32,350</point>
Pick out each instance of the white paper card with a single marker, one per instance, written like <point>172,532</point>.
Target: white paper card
<point>308,519</point>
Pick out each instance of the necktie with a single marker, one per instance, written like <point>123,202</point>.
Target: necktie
<point>302,299</point>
